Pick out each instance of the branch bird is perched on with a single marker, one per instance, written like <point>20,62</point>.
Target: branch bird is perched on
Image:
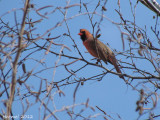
<point>98,49</point>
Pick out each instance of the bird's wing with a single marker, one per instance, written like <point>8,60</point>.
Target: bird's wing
<point>104,52</point>
<point>107,55</point>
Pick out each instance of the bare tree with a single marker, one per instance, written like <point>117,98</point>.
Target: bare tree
<point>25,58</point>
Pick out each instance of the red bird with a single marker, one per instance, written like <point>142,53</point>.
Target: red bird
<point>98,49</point>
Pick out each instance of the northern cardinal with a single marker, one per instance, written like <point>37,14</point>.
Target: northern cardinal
<point>98,49</point>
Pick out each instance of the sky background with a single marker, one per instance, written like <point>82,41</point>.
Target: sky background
<point>111,94</point>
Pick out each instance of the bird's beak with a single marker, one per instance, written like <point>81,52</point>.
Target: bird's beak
<point>80,34</point>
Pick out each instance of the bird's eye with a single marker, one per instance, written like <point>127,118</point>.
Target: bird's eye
<point>83,32</point>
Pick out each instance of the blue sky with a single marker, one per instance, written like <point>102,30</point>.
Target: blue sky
<point>111,94</point>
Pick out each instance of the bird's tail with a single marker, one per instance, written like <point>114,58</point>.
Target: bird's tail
<point>118,71</point>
